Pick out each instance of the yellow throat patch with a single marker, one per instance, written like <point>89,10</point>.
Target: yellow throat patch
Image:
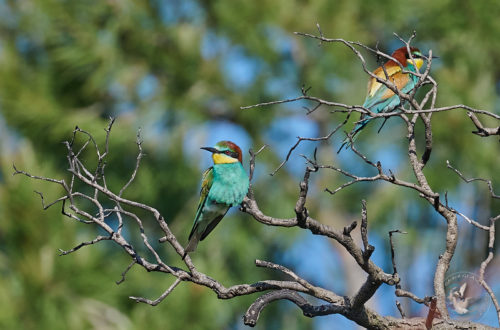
<point>223,159</point>
<point>418,62</point>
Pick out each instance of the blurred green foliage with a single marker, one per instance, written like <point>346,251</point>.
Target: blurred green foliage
<point>173,66</point>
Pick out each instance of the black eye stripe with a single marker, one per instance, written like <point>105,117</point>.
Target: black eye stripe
<point>413,55</point>
<point>230,153</point>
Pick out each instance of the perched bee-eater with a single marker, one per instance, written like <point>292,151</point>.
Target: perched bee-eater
<point>380,98</point>
<point>224,185</point>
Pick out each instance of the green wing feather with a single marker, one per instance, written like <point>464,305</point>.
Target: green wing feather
<point>211,226</point>
<point>206,184</point>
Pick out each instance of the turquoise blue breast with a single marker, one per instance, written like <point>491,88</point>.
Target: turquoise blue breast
<point>413,77</point>
<point>230,184</point>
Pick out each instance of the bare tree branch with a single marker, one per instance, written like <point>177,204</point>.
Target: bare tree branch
<point>481,130</point>
<point>120,281</point>
<point>488,182</point>
<point>79,246</point>
<point>160,298</point>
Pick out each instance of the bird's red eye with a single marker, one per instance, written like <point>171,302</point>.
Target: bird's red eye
<point>227,152</point>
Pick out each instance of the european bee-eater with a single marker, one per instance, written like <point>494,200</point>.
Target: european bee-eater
<point>380,98</point>
<point>224,185</point>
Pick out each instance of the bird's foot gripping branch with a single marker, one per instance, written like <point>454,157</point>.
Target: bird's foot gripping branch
<point>87,186</point>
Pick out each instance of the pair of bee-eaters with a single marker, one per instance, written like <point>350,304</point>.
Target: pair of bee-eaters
<point>225,184</point>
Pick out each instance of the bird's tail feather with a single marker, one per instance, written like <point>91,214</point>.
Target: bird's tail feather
<point>354,133</point>
<point>193,243</point>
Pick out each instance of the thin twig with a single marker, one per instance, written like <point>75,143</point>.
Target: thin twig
<point>160,298</point>
<point>488,182</point>
<point>126,271</point>
<point>79,246</point>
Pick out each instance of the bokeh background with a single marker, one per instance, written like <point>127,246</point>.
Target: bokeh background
<point>180,70</point>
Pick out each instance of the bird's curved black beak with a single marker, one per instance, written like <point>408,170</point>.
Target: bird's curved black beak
<point>212,150</point>
<point>426,58</point>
